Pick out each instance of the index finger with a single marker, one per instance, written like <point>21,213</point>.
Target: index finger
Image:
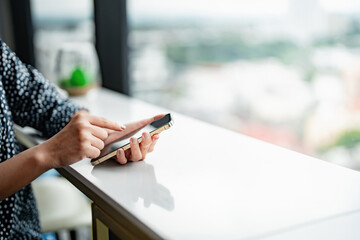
<point>105,123</point>
<point>144,122</point>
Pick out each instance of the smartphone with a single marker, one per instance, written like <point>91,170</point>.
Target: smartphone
<point>155,127</point>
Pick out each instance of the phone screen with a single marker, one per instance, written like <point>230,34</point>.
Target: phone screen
<point>124,140</point>
<point>121,142</point>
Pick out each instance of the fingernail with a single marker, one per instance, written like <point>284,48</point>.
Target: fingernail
<point>122,126</point>
<point>133,140</point>
<point>147,135</point>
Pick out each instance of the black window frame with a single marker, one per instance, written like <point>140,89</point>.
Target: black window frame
<point>22,30</point>
<point>111,34</point>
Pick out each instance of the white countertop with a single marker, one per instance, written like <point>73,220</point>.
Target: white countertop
<point>205,182</point>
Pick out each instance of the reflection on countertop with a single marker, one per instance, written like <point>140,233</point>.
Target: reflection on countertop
<point>135,180</point>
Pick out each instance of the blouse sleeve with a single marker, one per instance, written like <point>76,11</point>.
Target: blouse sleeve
<point>32,99</point>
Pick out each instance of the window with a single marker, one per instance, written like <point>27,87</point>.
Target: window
<point>55,23</point>
<point>284,71</point>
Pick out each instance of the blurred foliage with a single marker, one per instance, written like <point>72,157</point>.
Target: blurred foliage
<point>229,48</point>
<point>350,38</point>
<point>193,44</point>
<point>348,139</point>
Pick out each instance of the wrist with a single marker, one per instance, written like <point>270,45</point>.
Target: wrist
<point>42,157</point>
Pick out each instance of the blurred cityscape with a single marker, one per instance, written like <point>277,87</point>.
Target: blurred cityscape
<point>283,71</point>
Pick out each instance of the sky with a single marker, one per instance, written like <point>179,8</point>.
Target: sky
<point>206,8</point>
<point>230,8</point>
<point>191,8</point>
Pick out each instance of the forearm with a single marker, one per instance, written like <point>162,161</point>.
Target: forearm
<point>21,170</point>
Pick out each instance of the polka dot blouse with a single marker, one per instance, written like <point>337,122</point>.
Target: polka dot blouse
<point>27,99</point>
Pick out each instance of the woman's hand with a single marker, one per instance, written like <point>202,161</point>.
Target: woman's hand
<point>137,152</point>
<point>82,137</point>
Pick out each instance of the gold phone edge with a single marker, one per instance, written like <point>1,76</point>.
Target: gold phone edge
<point>127,146</point>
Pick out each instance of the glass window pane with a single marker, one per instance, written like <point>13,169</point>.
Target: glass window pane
<point>284,71</point>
